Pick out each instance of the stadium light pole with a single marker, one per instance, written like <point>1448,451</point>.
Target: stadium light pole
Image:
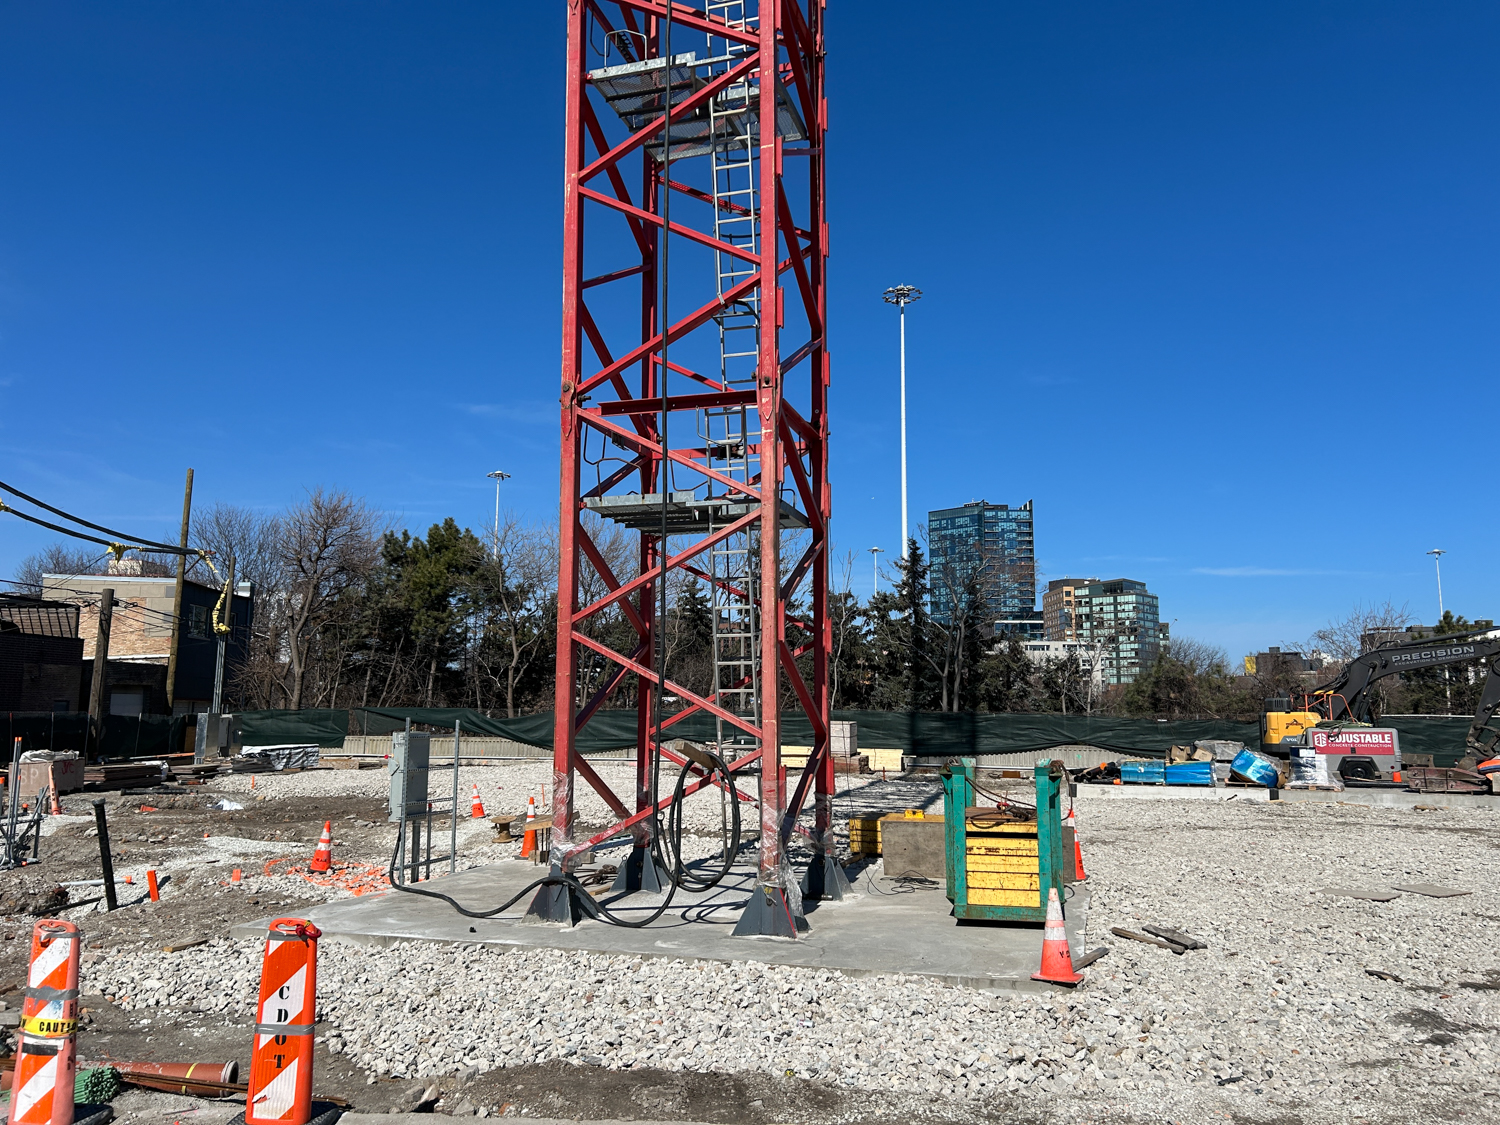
<point>499,476</point>
<point>875,553</point>
<point>1437,554</point>
<point>901,296</point>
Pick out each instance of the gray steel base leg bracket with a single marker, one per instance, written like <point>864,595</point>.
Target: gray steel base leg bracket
<point>768,914</point>
<point>555,902</point>
<point>825,880</point>
<point>641,872</point>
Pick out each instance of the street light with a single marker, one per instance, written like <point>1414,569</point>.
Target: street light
<point>901,296</point>
<point>499,476</point>
<point>875,553</point>
<point>1437,554</point>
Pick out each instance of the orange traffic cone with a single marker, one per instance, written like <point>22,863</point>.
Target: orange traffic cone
<point>322,858</point>
<point>1057,959</point>
<point>478,805</point>
<point>528,842</point>
<point>1077,847</point>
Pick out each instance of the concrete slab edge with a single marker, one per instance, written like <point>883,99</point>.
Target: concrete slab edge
<point>995,986</point>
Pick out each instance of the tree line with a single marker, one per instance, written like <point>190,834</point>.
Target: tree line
<point>352,613</point>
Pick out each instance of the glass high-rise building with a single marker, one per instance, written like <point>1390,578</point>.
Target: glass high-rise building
<point>996,544</point>
<point>1119,618</point>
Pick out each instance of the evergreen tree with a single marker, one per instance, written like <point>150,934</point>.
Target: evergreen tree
<point>901,627</point>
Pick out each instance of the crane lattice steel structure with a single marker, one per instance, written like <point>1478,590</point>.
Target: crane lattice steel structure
<point>695,377</point>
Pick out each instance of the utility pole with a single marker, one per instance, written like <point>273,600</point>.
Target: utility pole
<point>1437,554</point>
<point>101,663</point>
<point>187,511</point>
<point>223,660</point>
<point>901,296</point>
<point>499,476</point>
<point>875,553</point>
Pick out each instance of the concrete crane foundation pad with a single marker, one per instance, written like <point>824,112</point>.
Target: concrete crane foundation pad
<point>883,928</point>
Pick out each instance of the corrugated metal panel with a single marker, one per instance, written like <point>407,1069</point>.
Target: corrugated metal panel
<point>442,747</point>
<point>1072,757</point>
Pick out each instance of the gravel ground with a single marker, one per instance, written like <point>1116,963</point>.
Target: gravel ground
<point>1276,1021</point>
<point>503,788</point>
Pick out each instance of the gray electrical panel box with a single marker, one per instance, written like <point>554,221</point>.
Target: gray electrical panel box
<point>212,737</point>
<point>408,770</point>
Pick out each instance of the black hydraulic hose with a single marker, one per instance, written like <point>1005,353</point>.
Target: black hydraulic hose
<point>680,874</point>
<point>591,906</point>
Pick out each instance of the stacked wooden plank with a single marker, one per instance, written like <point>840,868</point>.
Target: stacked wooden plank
<point>123,775</point>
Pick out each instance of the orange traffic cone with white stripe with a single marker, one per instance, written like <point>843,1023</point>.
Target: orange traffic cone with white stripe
<point>477,807</point>
<point>1057,958</point>
<point>281,1063</point>
<point>1077,847</point>
<point>528,842</point>
<point>46,1054</point>
<point>322,858</point>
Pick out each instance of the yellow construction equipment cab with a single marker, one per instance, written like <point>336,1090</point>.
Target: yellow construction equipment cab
<point>1280,725</point>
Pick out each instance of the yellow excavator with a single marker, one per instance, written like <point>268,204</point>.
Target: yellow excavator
<point>1345,701</point>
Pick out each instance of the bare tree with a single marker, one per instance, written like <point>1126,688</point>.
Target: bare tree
<point>58,558</point>
<point>1362,628</point>
<point>515,596</point>
<point>329,545</point>
<point>1199,657</point>
<point>960,633</point>
<point>253,540</point>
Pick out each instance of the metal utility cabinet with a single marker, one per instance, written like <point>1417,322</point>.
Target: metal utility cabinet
<point>1000,870</point>
<point>410,751</point>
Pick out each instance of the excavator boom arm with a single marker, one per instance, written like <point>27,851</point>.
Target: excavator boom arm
<point>1348,696</point>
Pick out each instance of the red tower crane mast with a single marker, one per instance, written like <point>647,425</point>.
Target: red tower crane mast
<point>695,377</point>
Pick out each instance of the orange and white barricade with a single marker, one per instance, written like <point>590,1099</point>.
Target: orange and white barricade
<point>281,1066</point>
<point>46,1053</point>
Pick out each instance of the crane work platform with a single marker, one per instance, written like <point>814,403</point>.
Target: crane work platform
<point>687,514</point>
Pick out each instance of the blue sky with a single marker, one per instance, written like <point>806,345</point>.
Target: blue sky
<point>1215,285</point>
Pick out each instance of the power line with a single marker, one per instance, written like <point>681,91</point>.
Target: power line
<point>85,523</point>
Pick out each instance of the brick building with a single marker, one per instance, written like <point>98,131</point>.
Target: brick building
<point>140,639</point>
<point>40,655</point>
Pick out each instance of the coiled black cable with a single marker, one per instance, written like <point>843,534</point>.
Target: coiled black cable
<point>679,875</point>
